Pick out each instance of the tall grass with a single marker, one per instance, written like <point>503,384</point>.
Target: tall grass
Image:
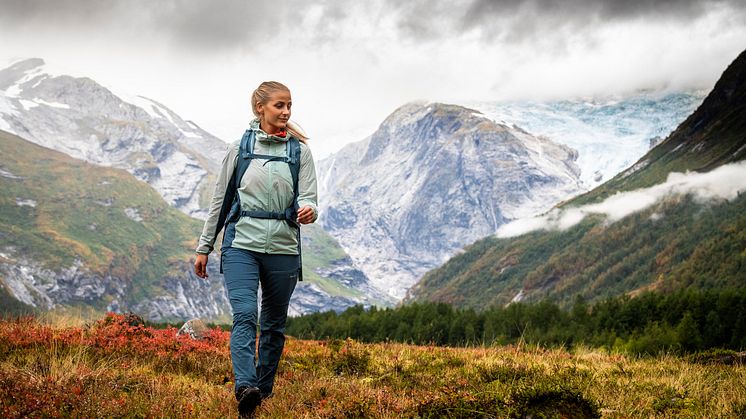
<point>115,367</point>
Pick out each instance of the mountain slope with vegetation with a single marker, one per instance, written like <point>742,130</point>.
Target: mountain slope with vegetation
<point>74,234</point>
<point>680,240</point>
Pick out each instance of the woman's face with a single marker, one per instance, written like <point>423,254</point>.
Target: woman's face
<point>274,114</point>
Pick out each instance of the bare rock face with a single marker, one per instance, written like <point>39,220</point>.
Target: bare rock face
<point>430,180</point>
<point>183,296</point>
<point>194,328</point>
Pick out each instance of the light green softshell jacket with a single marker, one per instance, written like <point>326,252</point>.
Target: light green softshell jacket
<point>263,187</point>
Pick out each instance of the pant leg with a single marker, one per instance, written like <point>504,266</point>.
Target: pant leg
<point>278,279</point>
<point>241,274</point>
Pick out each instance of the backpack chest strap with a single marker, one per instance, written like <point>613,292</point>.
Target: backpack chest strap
<point>290,157</point>
<point>288,215</point>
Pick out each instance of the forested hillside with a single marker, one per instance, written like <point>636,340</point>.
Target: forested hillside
<point>680,322</point>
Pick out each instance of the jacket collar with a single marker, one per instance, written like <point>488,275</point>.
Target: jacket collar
<point>263,136</point>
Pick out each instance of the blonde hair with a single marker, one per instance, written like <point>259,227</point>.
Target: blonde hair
<point>261,95</point>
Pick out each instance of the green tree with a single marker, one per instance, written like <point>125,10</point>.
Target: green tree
<point>687,334</point>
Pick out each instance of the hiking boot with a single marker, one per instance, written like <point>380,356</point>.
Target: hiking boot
<point>249,398</point>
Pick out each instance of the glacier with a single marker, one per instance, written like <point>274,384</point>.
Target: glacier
<point>610,133</point>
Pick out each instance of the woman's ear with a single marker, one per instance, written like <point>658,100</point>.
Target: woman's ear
<point>260,110</point>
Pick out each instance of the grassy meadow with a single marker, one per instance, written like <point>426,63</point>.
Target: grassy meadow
<point>117,367</point>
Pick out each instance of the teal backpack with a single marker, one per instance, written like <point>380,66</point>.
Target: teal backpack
<point>231,211</point>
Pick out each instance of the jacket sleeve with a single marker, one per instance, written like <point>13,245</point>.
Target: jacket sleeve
<point>210,230</point>
<point>307,188</point>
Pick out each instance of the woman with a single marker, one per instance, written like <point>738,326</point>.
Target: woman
<point>259,248</point>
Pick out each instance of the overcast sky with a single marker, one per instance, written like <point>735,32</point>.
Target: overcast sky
<point>350,64</point>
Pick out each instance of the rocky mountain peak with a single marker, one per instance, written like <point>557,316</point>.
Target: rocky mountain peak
<point>729,90</point>
<point>12,74</point>
<point>80,117</point>
<point>431,179</point>
<point>426,124</point>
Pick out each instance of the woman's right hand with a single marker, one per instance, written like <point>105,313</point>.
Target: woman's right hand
<point>200,265</point>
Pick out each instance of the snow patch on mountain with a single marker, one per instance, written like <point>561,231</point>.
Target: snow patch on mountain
<point>6,110</point>
<point>21,202</point>
<point>28,104</point>
<point>7,174</point>
<point>52,104</point>
<point>133,214</point>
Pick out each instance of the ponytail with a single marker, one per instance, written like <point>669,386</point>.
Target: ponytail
<point>296,131</point>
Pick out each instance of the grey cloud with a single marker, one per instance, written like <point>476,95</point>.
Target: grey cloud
<point>592,9</point>
<point>723,183</point>
<point>226,24</point>
<point>213,25</point>
<point>519,20</point>
<point>21,12</point>
<point>422,19</point>
<point>208,25</point>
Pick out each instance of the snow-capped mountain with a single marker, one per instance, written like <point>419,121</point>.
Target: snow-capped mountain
<point>430,180</point>
<point>610,133</point>
<point>81,118</point>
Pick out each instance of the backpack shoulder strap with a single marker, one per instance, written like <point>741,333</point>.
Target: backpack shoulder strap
<point>231,190</point>
<point>293,160</point>
<point>245,154</point>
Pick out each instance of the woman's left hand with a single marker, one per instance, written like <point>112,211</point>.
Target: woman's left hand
<point>305,215</point>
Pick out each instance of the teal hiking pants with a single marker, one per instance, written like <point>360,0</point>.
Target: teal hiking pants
<point>244,271</point>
